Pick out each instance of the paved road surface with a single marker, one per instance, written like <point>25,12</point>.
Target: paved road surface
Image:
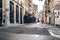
<point>23,30</point>
<point>26,32</point>
<point>11,36</point>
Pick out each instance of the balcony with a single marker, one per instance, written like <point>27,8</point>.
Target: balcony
<point>30,1</point>
<point>57,5</point>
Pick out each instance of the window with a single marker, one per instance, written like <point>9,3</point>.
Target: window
<point>0,15</point>
<point>21,15</point>
<point>29,4</point>
<point>48,0</point>
<point>0,3</point>
<point>30,1</point>
<point>17,14</point>
<point>49,11</point>
<point>0,12</point>
<point>58,13</point>
<point>11,12</point>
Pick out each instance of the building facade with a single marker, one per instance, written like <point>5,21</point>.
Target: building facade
<point>46,13</point>
<point>16,12</point>
<point>35,12</point>
<point>11,12</point>
<point>0,12</point>
<point>28,17</point>
<point>52,11</point>
<point>55,11</point>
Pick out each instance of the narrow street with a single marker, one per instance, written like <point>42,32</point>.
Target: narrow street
<point>29,19</point>
<point>27,31</point>
<point>31,28</point>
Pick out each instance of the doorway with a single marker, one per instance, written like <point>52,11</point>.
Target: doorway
<point>0,12</point>
<point>49,20</point>
<point>17,14</point>
<point>11,12</point>
<point>21,15</point>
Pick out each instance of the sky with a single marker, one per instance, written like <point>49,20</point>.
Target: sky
<point>39,3</point>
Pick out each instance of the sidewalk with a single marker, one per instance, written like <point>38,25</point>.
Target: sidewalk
<point>21,25</point>
<point>55,32</point>
<point>13,25</point>
<point>47,26</point>
<point>52,30</point>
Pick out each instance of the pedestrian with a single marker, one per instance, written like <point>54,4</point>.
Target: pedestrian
<point>42,21</point>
